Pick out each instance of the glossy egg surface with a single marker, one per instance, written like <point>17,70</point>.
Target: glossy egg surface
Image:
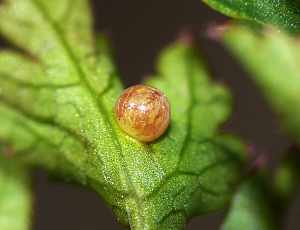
<point>143,112</point>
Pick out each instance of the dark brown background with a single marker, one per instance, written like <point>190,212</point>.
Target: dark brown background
<point>139,29</point>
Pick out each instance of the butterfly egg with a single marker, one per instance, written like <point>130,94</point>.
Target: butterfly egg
<point>143,112</point>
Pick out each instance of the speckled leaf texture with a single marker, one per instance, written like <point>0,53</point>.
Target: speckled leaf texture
<point>273,60</point>
<point>251,207</point>
<point>15,196</point>
<point>58,91</point>
<point>283,13</point>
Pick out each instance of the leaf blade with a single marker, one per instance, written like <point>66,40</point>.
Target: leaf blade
<point>148,185</point>
<point>274,69</point>
<point>15,196</point>
<point>284,14</point>
<point>251,207</point>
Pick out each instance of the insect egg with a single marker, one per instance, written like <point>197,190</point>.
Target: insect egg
<point>143,112</point>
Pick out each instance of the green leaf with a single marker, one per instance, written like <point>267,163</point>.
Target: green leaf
<point>261,203</point>
<point>251,207</point>
<point>57,98</point>
<point>283,13</point>
<point>287,177</point>
<point>15,196</point>
<point>272,58</point>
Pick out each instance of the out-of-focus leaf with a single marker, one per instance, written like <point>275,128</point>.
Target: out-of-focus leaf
<point>287,177</point>
<point>273,59</point>
<point>251,207</point>
<point>15,196</point>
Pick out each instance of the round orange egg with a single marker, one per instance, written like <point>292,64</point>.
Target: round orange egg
<point>143,112</point>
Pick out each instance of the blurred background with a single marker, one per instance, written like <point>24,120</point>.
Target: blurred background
<point>139,30</point>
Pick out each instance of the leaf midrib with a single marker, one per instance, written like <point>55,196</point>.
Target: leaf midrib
<point>93,94</point>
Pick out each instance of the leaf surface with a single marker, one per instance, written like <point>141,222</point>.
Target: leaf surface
<point>273,60</point>
<point>283,13</point>
<point>251,207</point>
<point>56,110</point>
<point>287,177</point>
<point>15,196</point>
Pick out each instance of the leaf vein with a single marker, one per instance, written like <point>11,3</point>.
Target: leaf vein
<point>93,95</point>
